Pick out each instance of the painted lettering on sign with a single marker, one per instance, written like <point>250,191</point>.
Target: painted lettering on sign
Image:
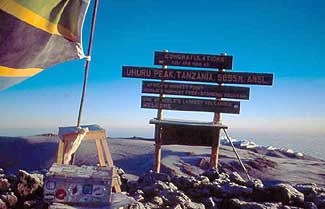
<point>198,75</point>
<point>188,104</point>
<point>193,60</point>
<point>199,90</point>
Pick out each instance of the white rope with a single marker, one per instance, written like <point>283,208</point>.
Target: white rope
<point>88,58</point>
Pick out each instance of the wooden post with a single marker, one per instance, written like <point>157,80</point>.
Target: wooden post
<point>158,131</point>
<point>214,158</point>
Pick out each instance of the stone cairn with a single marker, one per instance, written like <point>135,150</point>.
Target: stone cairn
<point>210,190</point>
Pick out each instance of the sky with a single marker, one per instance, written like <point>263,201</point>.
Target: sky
<point>286,38</point>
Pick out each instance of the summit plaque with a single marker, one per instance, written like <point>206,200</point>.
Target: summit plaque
<point>193,60</point>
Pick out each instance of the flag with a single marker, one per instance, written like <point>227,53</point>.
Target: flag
<point>36,34</point>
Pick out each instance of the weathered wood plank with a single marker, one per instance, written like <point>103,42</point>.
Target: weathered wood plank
<point>200,90</point>
<point>198,75</point>
<point>188,104</point>
<point>193,60</point>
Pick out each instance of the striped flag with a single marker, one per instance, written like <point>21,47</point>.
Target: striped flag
<point>36,34</point>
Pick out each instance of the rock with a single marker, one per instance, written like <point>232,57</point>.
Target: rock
<point>120,171</point>
<point>158,200</point>
<point>239,204</point>
<point>4,185</point>
<point>236,178</point>
<point>174,198</point>
<point>138,195</point>
<point>204,180</point>
<point>152,177</point>
<point>211,174</point>
<point>223,178</point>
<point>10,199</point>
<point>161,185</point>
<point>3,205</point>
<point>286,194</point>
<point>290,207</point>
<point>132,186</point>
<point>310,205</point>
<point>210,203</point>
<point>124,179</point>
<point>255,184</point>
<point>199,193</point>
<point>306,189</point>
<point>320,189</point>
<point>29,183</point>
<point>122,175</point>
<point>194,205</point>
<point>172,187</point>
<point>320,200</point>
<point>150,205</point>
<point>136,205</point>
<point>150,191</point>
<point>178,206</point>
<point>12,178</point>
<point>230,190</point>
<point>185,183</point>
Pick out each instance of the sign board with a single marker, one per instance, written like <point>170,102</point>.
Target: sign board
<point>193,60</point>
<point>188,104</point>
<point>199,90</point>
<point>188,135</point>
<point>198,75</point>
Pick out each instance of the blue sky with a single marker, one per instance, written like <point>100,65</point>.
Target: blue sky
<point>283,37</point>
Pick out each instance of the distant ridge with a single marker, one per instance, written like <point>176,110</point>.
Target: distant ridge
<point>134,138</point>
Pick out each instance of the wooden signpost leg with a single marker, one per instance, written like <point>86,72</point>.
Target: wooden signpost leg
<point>158,131</point>
<point>157,148</point>
<point>214,159</point>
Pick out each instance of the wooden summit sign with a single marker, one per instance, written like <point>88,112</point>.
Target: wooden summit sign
<point>193,60</point>
<point>198,75</point>
<point>192,133</point>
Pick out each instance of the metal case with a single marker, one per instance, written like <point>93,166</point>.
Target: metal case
<point>74,185</point>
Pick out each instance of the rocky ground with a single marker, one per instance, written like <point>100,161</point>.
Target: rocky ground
<point>220,190</point>
<point>211,190</point>
<point>280,178</point>
<point>21,191</point>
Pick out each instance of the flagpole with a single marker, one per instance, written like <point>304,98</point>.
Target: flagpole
<point>87,62</point>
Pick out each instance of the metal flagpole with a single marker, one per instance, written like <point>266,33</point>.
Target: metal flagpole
<point>87,62</point>
<point>86,70</point>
